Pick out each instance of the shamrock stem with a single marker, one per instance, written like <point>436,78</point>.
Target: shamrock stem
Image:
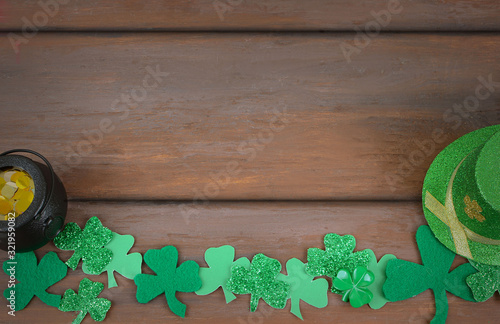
<point>229,295</point>
<point>175,305</point>
<point>296,308</point>
<point>49,299</point>
<point>111,279</point>
<point>80,317</point>
<point>441,306</point>
<point>73,261</point>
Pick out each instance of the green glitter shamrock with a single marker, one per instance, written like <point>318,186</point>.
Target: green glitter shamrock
<point>128,265</point>
<point>378,269</point>
<point>484,283</point>
<point>355,288</point>
<point>304,287</point>
<point>220,261</point>
<point>169,280</point>
<point>86,301</point>
<point>87,244</point>
<point>337,255</point>
<point>406,279</point>
<point>260,281</point>
<point>33,279</point>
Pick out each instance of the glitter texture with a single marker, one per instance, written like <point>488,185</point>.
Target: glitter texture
<point>436,183</point>
<point>87,244</point>
<point>338,254</point>
<point>484,283</point>
<point>86,301</point>
<point>220,260</point>
<point>128,265</point>
<point>260,281</point>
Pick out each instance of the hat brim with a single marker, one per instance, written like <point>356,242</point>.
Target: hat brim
<point>436,182</point>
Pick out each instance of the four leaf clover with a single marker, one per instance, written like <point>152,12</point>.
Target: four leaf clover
<point>34,279</point>
<point>128,265</point>
<point>86,301</point>
<point>355,288</point>
<point>169,279</point>
<point>220,260</point>
<point>484,283</point>
<point>260,281</point>
<point>337,255</point>
<point>304,287</point>
<point>406,279</point>
<point>87,244</point>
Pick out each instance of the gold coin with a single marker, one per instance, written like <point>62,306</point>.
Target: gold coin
<point>5,206</point>
<point>23,182</point>
<point>8,190</point>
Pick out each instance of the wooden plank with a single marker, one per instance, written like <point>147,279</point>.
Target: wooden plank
<point>244,116</point>
<point>251,15</point>
<point>279,230</point>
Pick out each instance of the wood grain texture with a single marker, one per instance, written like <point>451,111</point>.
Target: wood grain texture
<point>244,116</point>
<point>279,230</point>
<point>251,15</point>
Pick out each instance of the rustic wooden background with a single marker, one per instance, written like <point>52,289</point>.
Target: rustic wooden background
<point>256,109</point>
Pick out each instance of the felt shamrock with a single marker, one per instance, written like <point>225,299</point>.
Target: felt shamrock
<point>484,283</point>
<point>87,244</point>
<point>169,279</point>
<point>86,301</point>
<point>260,281</point>
<point>338,255</point>
<point>220,260</point>
<point>406,279</point>
<point>378,269</point>
<point>33,279</point>
<point>128,265</point>
<point>304,287</point>
<point>354,287</point>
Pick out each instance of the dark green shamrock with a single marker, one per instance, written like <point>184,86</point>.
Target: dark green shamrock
<point>86,301</point>
<point>304,287</point>
<point>33,279</point>
<point>87,244</point>
<point>260,281</point>
<point>484,283</point>
<point>355,288</point>
<point>406,279</point>
<point>220,261</point>
<point>337,255</point>
<point>169,279</point>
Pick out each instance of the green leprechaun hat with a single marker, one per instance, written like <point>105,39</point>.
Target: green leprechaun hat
<point>461,196</point>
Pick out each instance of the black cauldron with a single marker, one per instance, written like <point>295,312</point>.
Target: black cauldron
<point>44,218</point>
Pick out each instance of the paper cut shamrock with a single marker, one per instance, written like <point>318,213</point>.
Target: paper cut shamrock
<point>220,260</point>
<point>484,283</point>
<point>33,279</point>
<point>378,269</point>
<point>355,288</point>
<point>169,279</point>
<point>87,244</point>
<point>406,279</point>
<point>260,281</point>
<point>337,255</point>
<point>86,301</point>
<point>304,287</point>
<point>128,265</point>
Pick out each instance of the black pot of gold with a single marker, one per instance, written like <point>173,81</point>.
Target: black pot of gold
<point>33,202</point>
